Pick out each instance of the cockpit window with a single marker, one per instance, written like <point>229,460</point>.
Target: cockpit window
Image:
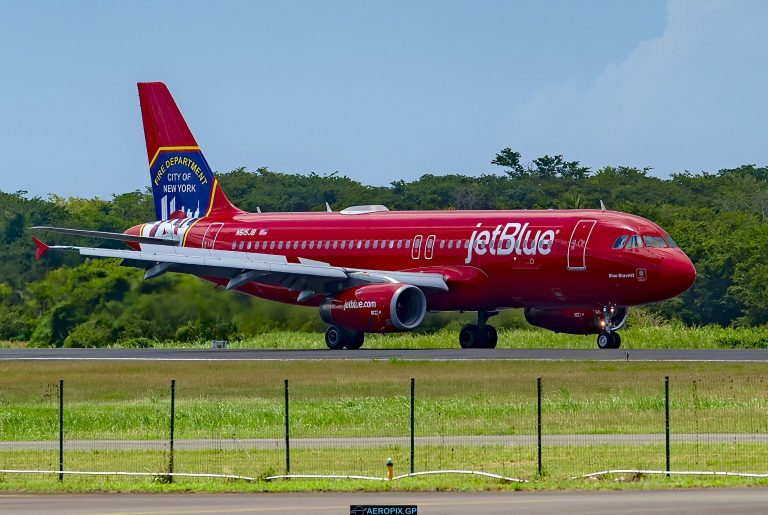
<point>620,241</point>
<point>670,242</point>
<point>655,241</point>
<point>634,242</point>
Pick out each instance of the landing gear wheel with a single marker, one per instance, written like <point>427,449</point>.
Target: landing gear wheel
<point>354,340</point>
<point>334,337</point>
<point>469,337</point>
<point>490,337</point>
<point>606,340</point>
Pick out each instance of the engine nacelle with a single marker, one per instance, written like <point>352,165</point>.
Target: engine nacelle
<point>575,320</point>
<point>376,308</point>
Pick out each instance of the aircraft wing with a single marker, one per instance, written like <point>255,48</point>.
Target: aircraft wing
<point>309,277</point>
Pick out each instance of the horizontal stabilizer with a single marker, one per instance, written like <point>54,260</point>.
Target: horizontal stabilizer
<point>41,247</point>
<point>116,236</point>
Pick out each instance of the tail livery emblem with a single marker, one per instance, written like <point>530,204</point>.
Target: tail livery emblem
<point>181,181</point>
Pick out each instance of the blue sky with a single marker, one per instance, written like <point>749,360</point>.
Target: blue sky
<point>381,91</point>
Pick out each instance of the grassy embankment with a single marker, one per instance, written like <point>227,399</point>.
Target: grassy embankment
<point>219,401</point>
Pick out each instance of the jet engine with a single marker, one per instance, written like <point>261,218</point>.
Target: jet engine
<point>376,308</point>
<point>576,320</point>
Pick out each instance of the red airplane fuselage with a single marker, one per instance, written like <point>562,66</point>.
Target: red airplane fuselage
<point>490,259</point>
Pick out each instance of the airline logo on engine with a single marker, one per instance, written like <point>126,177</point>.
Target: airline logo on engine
<point>359,304</point>
<point>512,238</point>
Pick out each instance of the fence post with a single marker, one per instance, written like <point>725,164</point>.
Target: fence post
<point>666,420</point>
<point>173,417</point>
<point>413,413</point>
<point>61,429</point>
<point>538,423</point>
<point>287,433</point>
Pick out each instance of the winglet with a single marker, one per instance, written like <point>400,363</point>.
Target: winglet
<point>42,248</point>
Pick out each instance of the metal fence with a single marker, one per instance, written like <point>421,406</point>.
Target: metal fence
<point>544,428</point>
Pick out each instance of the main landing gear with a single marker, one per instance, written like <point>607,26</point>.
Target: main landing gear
<point>337,338</point>
<point>480,335</point>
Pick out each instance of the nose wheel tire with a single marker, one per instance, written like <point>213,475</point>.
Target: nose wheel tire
<point>606,340</point>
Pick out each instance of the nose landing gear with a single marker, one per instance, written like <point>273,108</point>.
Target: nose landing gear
<point>480,335</point>
<point>613,319</point>
<point>608,340</point>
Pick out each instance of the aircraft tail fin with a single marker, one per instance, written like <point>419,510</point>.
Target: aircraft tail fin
<point>182,181</point>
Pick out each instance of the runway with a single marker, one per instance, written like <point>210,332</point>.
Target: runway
<point>745,501</point>
<point>448,354</point>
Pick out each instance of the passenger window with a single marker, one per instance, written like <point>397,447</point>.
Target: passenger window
<point>240,247</point>
<point>280,245</point>
<point>399,244</point>
<point>407,244</point>
<point>450,244</point>
<point>367,243</point>
<point>272,245</point>
<point>234,245</point>
<point>335,244</point>
<point>311,244</point>
<point>303,245</point>
<point>620,241</point>
<point>344,244</point>
<point>359,244</point>
<point>442,244</point>
<point>391,244</point>
<point>327,244</point>
<point>375,244</point>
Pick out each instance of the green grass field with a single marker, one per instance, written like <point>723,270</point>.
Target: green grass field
<point>219,401</point>
<point>644,332</point>
<point>669,335</point>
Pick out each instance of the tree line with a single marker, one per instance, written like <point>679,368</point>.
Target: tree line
<point>719,218</point>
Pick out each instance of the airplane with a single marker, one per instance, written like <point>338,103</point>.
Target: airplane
<point>371,270</point>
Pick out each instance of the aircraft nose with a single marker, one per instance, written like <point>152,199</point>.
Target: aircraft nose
<point>677,274</point>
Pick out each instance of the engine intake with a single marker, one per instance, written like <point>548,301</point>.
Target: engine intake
<point>376,308</point>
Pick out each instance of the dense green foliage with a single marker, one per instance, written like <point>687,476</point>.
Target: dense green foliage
<point>719,219</point>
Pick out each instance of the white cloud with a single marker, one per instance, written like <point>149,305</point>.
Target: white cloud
<point>695,98</point>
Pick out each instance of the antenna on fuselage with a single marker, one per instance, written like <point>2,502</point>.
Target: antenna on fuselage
<point>602,205</point>
<point>328,208</point>
<point>258,209</point>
